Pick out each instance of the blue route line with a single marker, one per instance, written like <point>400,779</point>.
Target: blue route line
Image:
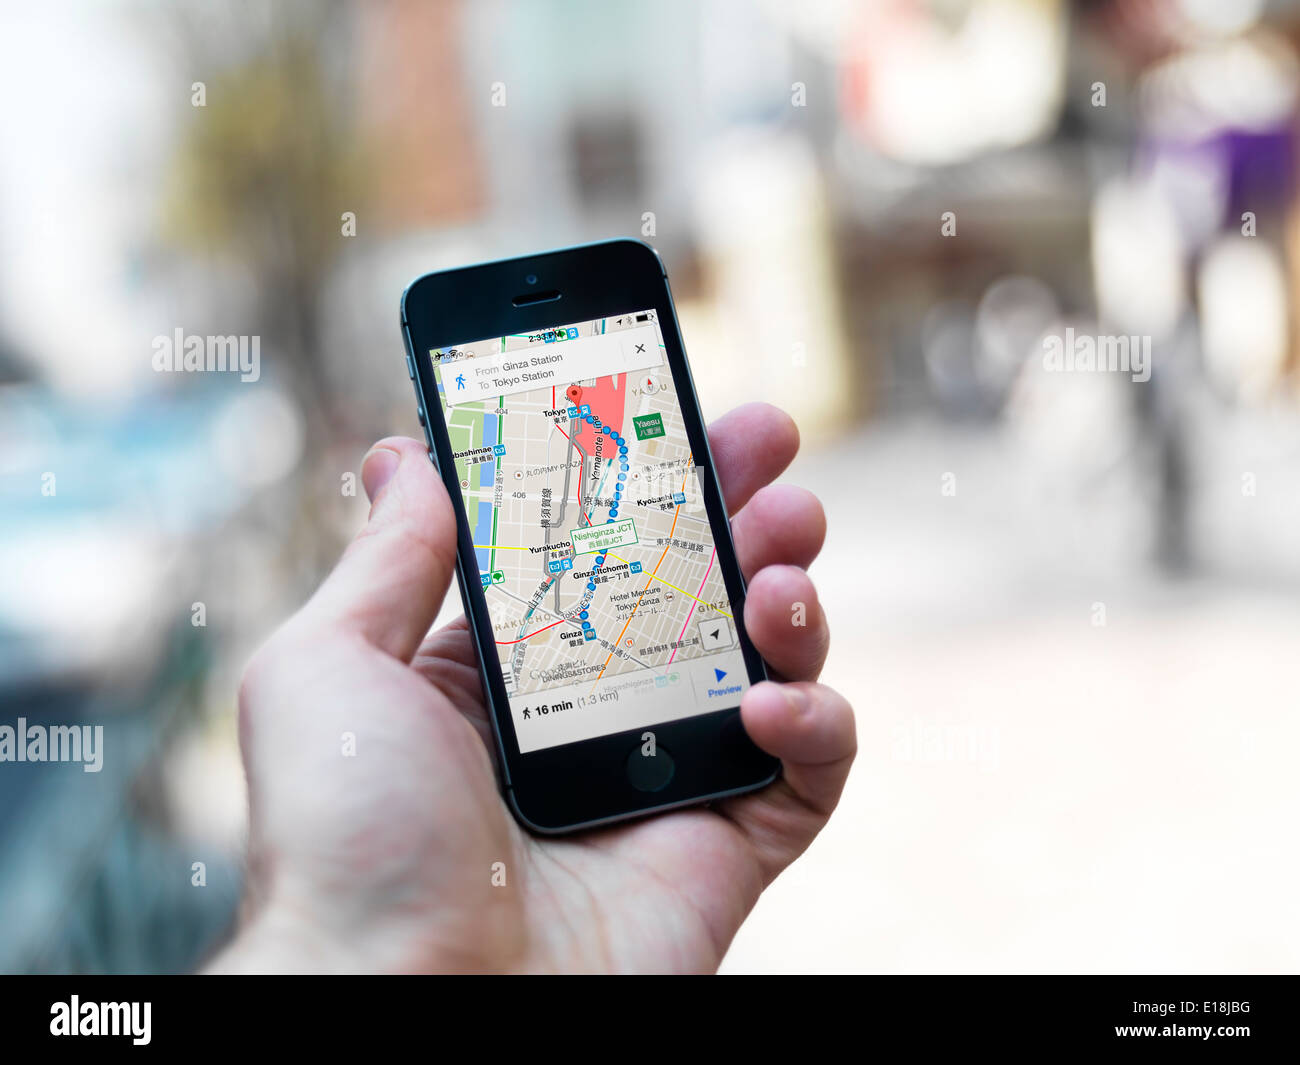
<point>594,422</point>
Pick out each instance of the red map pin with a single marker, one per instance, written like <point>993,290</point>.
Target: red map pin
<point>574,393</point>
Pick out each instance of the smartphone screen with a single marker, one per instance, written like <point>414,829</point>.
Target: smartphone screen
<point>608,607</point>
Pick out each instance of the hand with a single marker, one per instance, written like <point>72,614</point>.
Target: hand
<point>383,858</point>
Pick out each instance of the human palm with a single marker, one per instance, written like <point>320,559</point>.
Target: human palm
<point>378,836</point>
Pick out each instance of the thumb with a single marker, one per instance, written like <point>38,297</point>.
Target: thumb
<point>391,580</point>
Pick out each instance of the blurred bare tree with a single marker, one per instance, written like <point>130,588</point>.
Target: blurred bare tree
<point>260,178</point>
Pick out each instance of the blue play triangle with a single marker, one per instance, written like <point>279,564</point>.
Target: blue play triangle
<point>719,673</point>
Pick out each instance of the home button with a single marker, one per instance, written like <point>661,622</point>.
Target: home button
<point>649,772</point>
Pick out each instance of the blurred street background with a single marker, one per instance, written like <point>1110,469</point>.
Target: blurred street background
<point>1066,605</point>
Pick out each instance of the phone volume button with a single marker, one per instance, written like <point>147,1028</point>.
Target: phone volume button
<point>424,424</point>
<point>410,350</point>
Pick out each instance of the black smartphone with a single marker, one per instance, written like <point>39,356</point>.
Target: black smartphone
<point>595,562</point>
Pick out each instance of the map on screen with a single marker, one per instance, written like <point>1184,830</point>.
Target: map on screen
<point>594,548</point>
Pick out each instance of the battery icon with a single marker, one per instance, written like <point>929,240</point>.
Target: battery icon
<point>643,317</point>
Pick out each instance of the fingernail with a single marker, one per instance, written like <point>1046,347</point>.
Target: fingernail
<point>797,698</point>
<point>377,469</point>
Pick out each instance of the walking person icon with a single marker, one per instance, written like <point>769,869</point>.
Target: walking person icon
<point>460,382</point>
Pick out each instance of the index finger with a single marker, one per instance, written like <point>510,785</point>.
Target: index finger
<point>751,445</point>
